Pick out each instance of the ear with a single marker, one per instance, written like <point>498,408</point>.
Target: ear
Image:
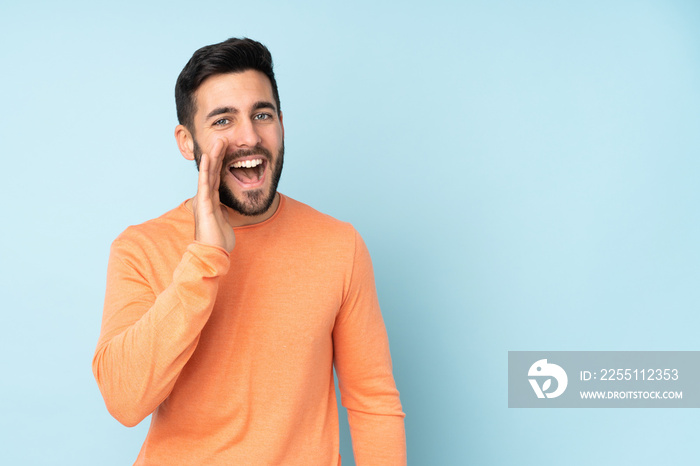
<point>185,142</point>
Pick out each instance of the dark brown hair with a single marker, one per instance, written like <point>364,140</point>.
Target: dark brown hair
<point>231,56</point>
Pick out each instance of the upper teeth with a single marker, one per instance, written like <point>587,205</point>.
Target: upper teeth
<point>247,163</point>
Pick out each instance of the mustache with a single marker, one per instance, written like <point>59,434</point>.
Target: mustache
<point>241,153</point>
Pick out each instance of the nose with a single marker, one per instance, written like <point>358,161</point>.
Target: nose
<point>246,134</point>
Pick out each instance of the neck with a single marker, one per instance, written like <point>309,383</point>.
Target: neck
<point>237,219</point>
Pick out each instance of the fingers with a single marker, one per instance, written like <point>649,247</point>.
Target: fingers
<point>210,171</point>
<point>218,151</point>
<point>203,180</point>
<point>210,216</point>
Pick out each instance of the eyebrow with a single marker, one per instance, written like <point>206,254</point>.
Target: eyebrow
<point>264,104</point>
<point>221,110</point>
<point>232,110</point>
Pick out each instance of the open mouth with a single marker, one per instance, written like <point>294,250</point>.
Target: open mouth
<point>248,172</point>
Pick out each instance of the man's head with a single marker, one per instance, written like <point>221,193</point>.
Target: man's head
<point>228,91</point>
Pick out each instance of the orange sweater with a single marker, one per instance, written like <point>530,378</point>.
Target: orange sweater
<point>234,353</point>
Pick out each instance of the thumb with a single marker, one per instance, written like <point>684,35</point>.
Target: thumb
<point>224,214</point>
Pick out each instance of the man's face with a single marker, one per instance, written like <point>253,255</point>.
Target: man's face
<point>240,108</point>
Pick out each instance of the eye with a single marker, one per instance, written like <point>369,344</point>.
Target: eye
<point>262,116</point>
<point>221,122</point>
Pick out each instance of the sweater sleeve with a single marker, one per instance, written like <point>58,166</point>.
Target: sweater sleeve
<point>364,369</point>
<point>146,339</point>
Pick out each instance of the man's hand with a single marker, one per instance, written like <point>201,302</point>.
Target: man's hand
<point>210,216</point>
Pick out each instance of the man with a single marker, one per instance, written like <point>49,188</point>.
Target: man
<point>224,317</point>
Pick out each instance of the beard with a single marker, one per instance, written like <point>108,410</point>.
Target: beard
<point>255,201</point>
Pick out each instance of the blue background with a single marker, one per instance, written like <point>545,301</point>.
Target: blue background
<point>525,175</point>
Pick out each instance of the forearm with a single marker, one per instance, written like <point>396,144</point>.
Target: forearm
<point>378,440</point>
<point>146,340</point>
<point>374,409</point>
